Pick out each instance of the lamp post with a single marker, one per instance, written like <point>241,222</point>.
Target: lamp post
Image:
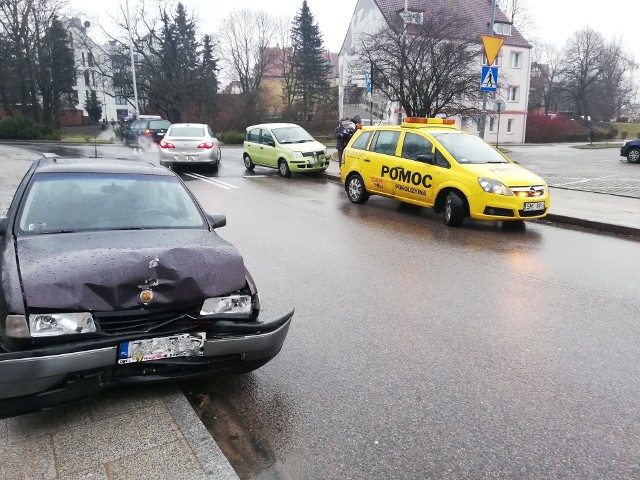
<point>133,65</point>
<point>483,113</point>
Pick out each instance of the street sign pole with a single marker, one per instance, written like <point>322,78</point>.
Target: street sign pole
<point>483,113</point>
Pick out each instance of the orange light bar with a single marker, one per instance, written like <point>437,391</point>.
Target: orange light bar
<point>433,121</point>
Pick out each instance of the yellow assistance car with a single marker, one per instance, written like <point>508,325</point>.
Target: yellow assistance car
<point>432,163</point>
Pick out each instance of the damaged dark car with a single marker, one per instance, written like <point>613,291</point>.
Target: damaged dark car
<point>111,274</point>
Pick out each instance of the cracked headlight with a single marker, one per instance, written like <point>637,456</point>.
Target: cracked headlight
<point>53,324</point>
<point>494,186</point>
<point>227,305</point>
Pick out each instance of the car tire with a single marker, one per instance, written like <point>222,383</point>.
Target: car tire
<point>248,164</point>
<point>283,168</point>
<point>633,155</point>
<point>219,159</point>
<point>453,211</point>
<point>356,190</point>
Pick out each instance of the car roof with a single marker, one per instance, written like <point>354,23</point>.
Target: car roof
<point>188,125</point>
<point>95,165</point>
<point>273,125</point>
<point>423,128</point>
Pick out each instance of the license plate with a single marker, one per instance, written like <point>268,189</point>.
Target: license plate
<point>190,158</point>
<point>181,345</point>
<point>533,206</point>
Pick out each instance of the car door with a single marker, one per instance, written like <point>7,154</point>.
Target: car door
<point>380,161</point>
<point>415,174</point>
<point>252,145</point>
<point>268,150</point>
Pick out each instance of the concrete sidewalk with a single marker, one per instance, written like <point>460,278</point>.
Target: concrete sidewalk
<point>598,211</point>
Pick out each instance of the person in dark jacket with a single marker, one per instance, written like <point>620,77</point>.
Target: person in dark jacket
<point>344,131</point>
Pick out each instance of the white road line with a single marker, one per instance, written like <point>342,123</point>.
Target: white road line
<point>214,181</point>
<point>255,176</point>
<point>205,179</point>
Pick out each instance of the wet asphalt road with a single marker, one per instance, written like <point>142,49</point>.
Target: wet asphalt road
<point>420,351</point>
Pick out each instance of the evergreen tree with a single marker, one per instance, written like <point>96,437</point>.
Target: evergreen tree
<point>57,72</point>
<point>310,68</point>
<point>93,106</point>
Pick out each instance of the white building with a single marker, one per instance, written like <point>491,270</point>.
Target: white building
<point>514,62</point>
<point>94,65</point>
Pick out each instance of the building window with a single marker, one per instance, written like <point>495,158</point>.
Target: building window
<point>510,125</point>
<point>516,59</point>
<point>83,59</point>
<point>514,94</point>
<point>90,55</point>
<point>502,28</point>
<point>93,78</point>
<point>86,78</point>
<point>496,63</point>
<point>120,100</point>
<point>491,124</point>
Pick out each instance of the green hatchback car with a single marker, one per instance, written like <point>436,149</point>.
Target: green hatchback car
<point>285,146</point>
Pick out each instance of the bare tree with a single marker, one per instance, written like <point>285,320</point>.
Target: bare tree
<point>285,64</point>
<point>425,69</point>
<point>517,11</point>
<point>546,74</point>
<point>244,39</point>
<point>585,62</point>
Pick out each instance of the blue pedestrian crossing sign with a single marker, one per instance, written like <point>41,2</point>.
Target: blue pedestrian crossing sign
<point>489,79</point>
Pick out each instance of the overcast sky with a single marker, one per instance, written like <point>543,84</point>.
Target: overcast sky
<point>556,20</point>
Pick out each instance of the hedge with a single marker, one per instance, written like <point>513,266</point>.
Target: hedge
<point>22,128</point>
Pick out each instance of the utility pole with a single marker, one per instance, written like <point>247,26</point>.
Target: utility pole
<point>483,113</point>
<point>133,65</point>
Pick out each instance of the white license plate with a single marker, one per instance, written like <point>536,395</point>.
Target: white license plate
<point>533,206</point>
<point>181,345</point>
<point>190,158</point>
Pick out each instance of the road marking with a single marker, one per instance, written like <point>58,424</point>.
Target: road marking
<point>585,180</point>
<point>212,181</point>
<point>255,176</point>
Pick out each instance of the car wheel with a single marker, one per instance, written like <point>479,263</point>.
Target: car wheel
<point>453,210</point>
<point>283,169</point>
<point>356,190</point>
<point>219,156</point>
<point>633,155</point>
<point>248,164</point>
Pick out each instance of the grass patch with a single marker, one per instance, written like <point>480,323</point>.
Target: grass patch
<point>596,146</point>
<point>71,138</point>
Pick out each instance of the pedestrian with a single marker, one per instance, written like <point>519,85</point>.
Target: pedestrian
<point>344,131</point>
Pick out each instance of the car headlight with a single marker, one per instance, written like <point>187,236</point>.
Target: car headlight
<point>227,305</point>
<point>494,186</point>
<point>53,324</point>
<point>297,154</point>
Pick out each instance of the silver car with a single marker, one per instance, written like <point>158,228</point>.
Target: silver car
<point>190,144</point>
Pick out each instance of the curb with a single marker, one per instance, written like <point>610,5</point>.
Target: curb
<point>555,218</point>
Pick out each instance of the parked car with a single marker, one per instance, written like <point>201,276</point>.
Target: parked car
<point>631,150</point>
<point>190,144</point>
<point>285,146</point>
<point>145,132</point>
<point>111,274</point>
<point>432,163</point>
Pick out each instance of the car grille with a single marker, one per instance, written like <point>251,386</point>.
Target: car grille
<point>310,154</point>
<point>530,191</point>
<point>531,213</point>
<point>142,319</point>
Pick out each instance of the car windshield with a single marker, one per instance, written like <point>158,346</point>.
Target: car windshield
<point>292,135</point>
<point>190,132</point>
<point>71,202</point>
<point>468,149</point>
<point>159,124</point>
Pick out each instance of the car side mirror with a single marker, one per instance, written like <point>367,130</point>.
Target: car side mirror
<point>424,158</point>
<point>217,221</point>
<point>271,143</point>
<point>4,222</point>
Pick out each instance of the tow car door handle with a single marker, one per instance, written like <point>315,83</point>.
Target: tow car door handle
<point>367,160</point>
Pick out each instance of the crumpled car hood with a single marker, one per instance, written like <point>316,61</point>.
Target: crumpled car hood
<point>106,271</point>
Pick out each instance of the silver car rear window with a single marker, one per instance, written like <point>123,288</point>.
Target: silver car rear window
<point>187,132</point>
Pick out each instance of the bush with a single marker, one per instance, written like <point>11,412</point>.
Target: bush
<point>232,137</point>
<point>557,128</point>
<point>623,135</point>
<point>22,128</point>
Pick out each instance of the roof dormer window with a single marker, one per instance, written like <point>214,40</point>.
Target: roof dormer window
<point>411,17</point>
<point>502,28</point>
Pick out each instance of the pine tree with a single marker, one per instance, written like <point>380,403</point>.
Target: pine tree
<point>310,68</point>
<point>93,106</point>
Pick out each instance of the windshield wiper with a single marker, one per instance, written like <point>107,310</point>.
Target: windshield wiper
<point>302,141</point>
<point>497,162</point>
<point>130,228</point>
<point>42,232</point>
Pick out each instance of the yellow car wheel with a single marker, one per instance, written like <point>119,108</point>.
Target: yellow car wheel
<point>356,190</point>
